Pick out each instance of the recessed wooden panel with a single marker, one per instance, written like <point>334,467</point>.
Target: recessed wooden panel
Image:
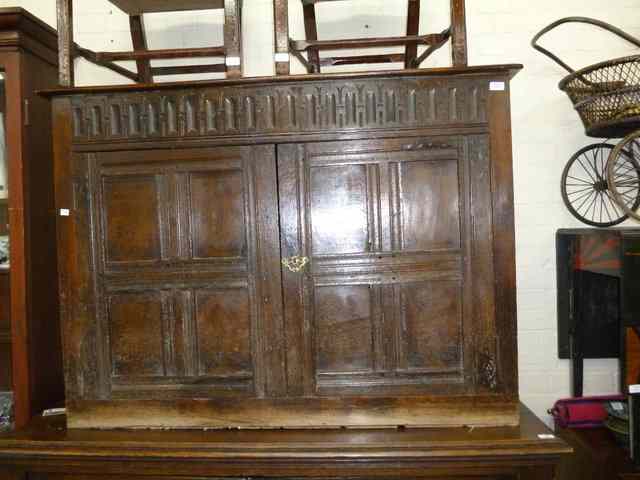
<point>343,329</point>
<point>429,196</point>
<point>131,218</point>
<point>339,209</point>
<point>224,332</point>
<point>432,329</point>
<point>136,335</point>
<point>217,214</point>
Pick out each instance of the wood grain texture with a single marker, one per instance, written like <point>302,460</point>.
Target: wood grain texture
<point>64,9</point>
<point>281,35</point>
<point>459,33</point>
<point>185,314</point>
<point>358,412</point>
<point>503,238</point>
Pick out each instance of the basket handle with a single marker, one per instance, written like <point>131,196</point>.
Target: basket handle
<point>591,21</point>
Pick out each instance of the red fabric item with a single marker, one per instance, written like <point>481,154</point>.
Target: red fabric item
<point>582,412</point>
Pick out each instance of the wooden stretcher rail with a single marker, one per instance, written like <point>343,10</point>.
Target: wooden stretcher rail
<point>162,54</point>
<point>303,45</point>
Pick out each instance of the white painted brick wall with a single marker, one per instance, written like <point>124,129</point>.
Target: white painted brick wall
<point>546,130</point>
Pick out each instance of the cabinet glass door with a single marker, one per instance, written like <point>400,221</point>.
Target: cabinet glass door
<point>5,326</point>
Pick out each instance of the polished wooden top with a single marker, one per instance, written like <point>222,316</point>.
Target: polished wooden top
<point>136,7</point>
<point>19,28</point>
<point>49,437</point>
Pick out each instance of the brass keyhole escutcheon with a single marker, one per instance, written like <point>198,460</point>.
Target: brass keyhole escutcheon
<point>296,263</point>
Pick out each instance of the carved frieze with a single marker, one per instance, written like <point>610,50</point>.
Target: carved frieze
<point>305,107</point>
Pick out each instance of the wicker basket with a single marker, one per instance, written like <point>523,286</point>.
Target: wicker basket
<point>607,94</point>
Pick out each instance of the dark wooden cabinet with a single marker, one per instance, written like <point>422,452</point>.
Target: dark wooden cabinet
<point>30,357</point>
<point>290,252</point>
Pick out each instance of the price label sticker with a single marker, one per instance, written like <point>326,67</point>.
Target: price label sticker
<point>54,411</point>
<point>617,406</point>
<point>546,436</point>
<point>64,212</point>
<point>497,86</point>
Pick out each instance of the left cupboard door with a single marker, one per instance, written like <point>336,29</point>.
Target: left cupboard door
<point>175,286</point>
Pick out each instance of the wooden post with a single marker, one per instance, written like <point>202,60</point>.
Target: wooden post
<point>281,22</point>
<point>413,28</point>
<point>232,38</point>
<point>65,42</point>
<point>458,33</point>
<point>311,31</point>
<point>139,40</point>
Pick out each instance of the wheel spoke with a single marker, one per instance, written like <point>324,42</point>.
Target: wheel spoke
<point>587,194</point>
<point>615,206</point>
<point>586,170</point>
<point>579,180</point>
<point>586,199</point>
<point>605,197</point>
<point>578,191</point>
<point>590,207</point>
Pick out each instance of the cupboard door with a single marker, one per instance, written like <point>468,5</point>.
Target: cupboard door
<point>396,296</point>
<point>183,280</point>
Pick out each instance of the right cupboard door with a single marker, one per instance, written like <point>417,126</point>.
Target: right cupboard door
<point>388,268</point>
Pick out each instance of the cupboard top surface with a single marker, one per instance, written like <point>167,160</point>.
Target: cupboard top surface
<point>508,70</point>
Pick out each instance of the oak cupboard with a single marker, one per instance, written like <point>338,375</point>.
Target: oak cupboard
<point>331,250</point>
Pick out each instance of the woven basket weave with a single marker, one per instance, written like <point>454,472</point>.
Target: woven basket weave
<point>607,94</point>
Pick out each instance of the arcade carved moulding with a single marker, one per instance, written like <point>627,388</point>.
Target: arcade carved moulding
<point>309,107</point>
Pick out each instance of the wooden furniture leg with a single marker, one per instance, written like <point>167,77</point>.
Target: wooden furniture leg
<point>458,33</point>
<point>232,38</point>
<point>413,28</point>
<point>139,40</point>
<point>281,24</point>
<point>65,42</point>
<point>311,31</point>
<point>576,343</point>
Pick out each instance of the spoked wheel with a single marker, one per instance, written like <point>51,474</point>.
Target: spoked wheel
<point>585,189</point>
<point>623,174</point>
